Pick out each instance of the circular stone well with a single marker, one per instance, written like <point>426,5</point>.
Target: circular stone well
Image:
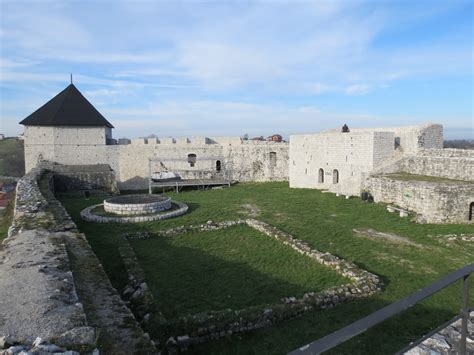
<point>137,204</point>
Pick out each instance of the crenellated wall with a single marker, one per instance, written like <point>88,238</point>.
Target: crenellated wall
<point>240,160</point>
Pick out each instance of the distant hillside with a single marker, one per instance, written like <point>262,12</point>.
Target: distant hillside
<point>12,158</point>
<point>459,144</point>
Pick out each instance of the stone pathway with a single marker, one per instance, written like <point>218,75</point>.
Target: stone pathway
<point>447,340</point>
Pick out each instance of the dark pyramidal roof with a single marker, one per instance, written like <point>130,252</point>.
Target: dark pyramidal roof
<point>68,108</point>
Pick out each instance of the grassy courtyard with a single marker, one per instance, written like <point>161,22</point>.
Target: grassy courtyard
<point>239,257</point>
<point>233,268</point>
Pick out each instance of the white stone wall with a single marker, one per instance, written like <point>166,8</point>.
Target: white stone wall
<point>352,154</point>
<point>244,161</point>
<point>435,202</point>
<point>45,143</point>
<point>456,164</point>
<point>410,139</point>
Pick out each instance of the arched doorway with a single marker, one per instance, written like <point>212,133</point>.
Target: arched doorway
<point>192,159</point>
<point>335,176</point>
<point>471,211</point>
<point>321,176</point>
<point>218,166</point>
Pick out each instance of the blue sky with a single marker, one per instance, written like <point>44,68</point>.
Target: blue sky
<point>213,68</point>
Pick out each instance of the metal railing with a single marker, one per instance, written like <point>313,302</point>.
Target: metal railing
<point>338,337</point>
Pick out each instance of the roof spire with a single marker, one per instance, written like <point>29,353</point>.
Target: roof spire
<point>71,78</point>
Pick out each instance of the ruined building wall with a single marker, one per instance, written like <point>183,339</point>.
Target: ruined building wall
<point>456,164</point>
<point>411,139</point>
<point>434,202</point>
<point>96,179</point>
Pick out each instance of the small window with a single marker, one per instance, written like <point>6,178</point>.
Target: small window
<point>321,176</point>
<point>191,159</point>
<point>273,159</point>
<point>335,176</point>
<point>218,166</point>
<point>471,211</point>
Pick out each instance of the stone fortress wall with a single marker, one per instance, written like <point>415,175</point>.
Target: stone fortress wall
<point>405,166</point>
<point>446,195</point>
<point>239,160</point>
<point>344,163</point>
<point>340,162</point>
<point>457,164</point>
<point>432,201</point>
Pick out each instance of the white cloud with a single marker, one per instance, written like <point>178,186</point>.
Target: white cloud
<point>357,89</point>
<point>319,88</point>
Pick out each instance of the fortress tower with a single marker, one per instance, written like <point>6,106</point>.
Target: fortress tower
<point>66,124</point>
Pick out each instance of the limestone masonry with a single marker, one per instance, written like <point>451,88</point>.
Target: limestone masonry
<point>347,162</point>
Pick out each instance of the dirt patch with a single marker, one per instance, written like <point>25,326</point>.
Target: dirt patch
<point>250,210</point>
<point>410,265</point>
<point>391,237</point>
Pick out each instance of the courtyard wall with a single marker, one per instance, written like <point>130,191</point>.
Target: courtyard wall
<point>433,202</point>
<point>240,160</point>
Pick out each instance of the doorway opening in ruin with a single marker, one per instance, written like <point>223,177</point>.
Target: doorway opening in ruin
<point>218,166</point>
<point>471,210</point>
<point>192,159</point>
<point>273,159</point>
<point>321,176</point>
<point>335,176</point>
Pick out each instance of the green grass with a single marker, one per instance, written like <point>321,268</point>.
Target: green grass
<point>233,268</point>
<point>12,158</point>
<point>325,222</point>
<point>6,217</point>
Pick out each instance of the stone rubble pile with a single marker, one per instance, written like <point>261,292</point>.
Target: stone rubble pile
<point>39,346</point>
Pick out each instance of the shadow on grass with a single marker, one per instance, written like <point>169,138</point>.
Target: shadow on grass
<point>192,206</point>
<point>385,338</point>
<point>186,280</point>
